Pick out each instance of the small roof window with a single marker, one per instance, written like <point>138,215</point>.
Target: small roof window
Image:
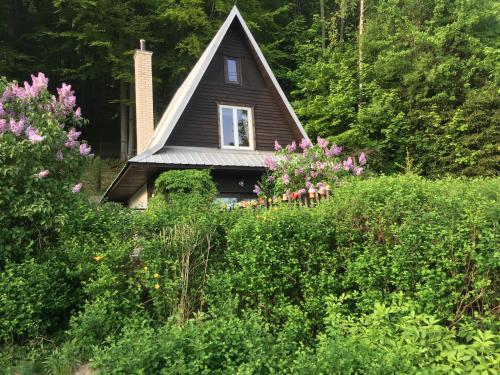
<point>232,70</point>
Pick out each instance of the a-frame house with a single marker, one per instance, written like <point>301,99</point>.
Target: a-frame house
<point>226,116</point>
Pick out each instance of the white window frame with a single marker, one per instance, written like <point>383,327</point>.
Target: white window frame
<point>251,145</point>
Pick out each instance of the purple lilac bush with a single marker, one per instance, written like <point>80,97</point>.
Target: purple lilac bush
<point>296,169</point>
<point>41,160</point>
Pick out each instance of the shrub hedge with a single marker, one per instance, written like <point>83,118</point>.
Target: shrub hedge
<point>435,241</point>
<point>389,275</point>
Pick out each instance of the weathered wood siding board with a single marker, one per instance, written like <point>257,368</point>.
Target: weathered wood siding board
<point>199,124</point>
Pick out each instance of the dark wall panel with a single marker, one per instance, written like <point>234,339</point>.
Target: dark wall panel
<point>199,125</point>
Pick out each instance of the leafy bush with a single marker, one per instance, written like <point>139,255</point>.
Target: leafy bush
<point>397,339</point>
<point>390,339</point>
<point>228,346</point>
<point>195,181</point>
<point>433,241</point>
<point>150,264</point>
<point>32,298</point>
<point>279,259</point>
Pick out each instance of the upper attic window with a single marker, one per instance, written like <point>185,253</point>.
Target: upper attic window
<point>232,70</point>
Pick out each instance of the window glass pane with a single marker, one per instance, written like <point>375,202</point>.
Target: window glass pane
<point>243,134</point>
<point>227,127</point>
<point>232,70</point>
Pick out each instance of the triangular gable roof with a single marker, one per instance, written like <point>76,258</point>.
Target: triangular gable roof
<point>181,98</point>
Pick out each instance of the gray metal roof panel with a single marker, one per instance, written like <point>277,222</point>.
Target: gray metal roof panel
<point>204,156</point>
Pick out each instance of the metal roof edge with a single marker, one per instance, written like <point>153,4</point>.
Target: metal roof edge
<point>115,181</point>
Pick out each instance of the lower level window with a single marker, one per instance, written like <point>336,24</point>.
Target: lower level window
<point>236,127</point>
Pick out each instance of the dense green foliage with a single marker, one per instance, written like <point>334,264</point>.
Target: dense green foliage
<point>417,77</point>
<point>433,241</point>
<point>391,274</point>
<point>186,182</point>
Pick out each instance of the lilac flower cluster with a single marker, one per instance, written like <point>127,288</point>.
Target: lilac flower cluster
<point>20,108</point>
<point>67,97</point>
<point>317,166</point>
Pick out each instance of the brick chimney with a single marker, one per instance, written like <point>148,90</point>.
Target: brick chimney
<point>143,96</point>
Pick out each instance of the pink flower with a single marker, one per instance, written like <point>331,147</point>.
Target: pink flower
<point>43,174</point>
<point>336,167</point>
<point>84,149</point>
<point>78,112</point>
<point>314,174</point>
<point>33,135</point>
<point>76,188</point>
<point>277,146</point>
<point>256,189</point>
<point>270,163</point>
<point>301,192</point>
<point>1,109</point>
<point>357,171</point>
<point>270,178</point>
<point>299,171</point>
<point>333,151</point>
<point>73,134</point>
<point>286,179</point>
<point>72,137</point>
<point>347,164</point>
<point>59,155</point>
<point>323,143</point>
<point>308,185</point>
<point>40,82</point>
<point>66,96</point>
<point>17,91</point>
<point>71,144</point>
<point>3,125</point>
<point>362,158</point>
<point>292,147</point>
<point>16,127</point>
<point>304,143</point>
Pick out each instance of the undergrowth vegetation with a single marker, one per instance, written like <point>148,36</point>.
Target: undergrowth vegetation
<point>388,275</point>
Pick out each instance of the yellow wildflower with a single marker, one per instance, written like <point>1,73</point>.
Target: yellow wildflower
<point>157,286</point>
<point>156,276</point>
<point>145,268</point>
<point>97,258</point>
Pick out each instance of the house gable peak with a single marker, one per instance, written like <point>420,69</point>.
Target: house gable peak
<point>185,92</point>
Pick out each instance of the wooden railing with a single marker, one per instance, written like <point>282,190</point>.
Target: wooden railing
<point>309,199</point>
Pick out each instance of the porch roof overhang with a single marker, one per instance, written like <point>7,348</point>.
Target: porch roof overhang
<point>142,168</point>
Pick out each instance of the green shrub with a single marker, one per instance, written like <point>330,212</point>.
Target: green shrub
<point>226,346</point>
<point>281,258</point>
<point>432,240</point>
<point>190,181</point>
<point>32,299</point>
<point>395,338</point>
<point>390,339</point>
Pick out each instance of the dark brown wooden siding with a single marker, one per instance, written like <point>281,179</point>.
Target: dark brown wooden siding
<point>199,124</point>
